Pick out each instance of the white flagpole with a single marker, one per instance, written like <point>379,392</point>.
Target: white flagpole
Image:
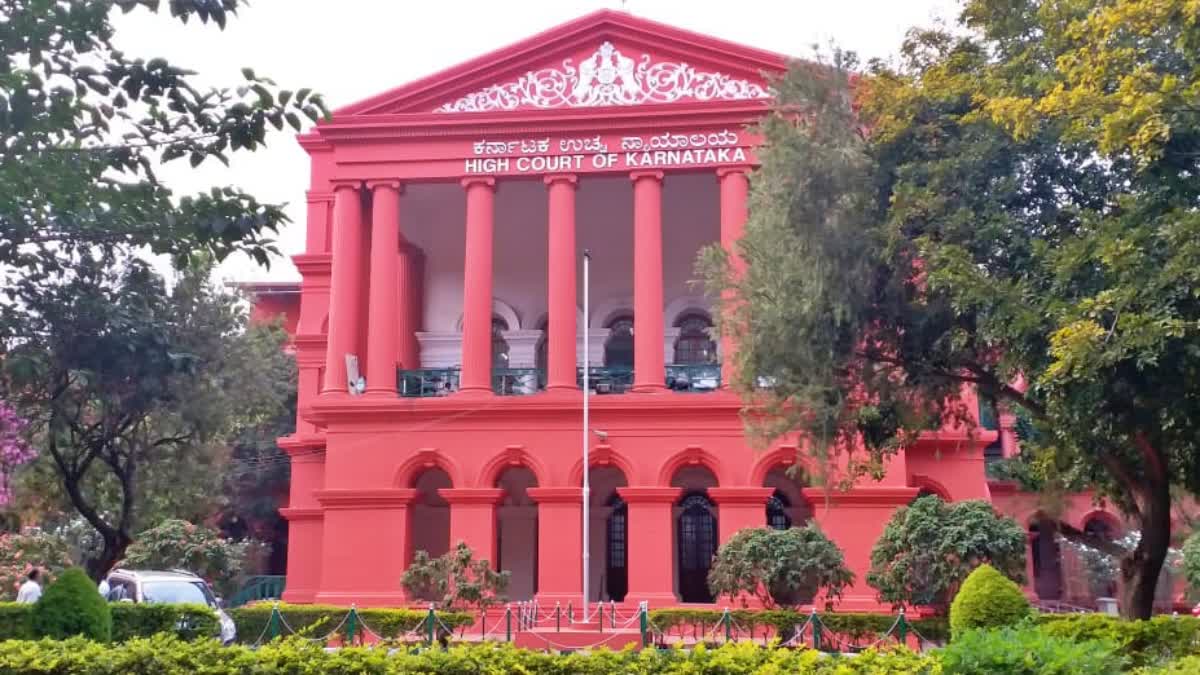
<point>587,385</point>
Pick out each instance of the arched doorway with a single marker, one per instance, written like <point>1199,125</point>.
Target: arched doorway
<point>1047,559</point>
<point>608,547</point>
<point>618,349</point>
<point>516,532</point>
<point>695,345</point>
<point>429,516</point>
<point>695,533</point>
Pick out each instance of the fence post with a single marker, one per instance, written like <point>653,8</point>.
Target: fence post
<point>273,622</point>
<point>351,624</point>
<point>557,617</point>
<point>644,623</point>
<point>816,625</point>
<point>570,612</point>
<point>725,619</point>
<point>902,627</point>
<point>429,621</point>
<point>612,613</point>
<point>508,623</point>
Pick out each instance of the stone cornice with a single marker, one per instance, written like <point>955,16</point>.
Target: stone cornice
<point>650,495</point>
<point>294,514</point>
<point>313,264</point>
<point>485,496</point>
<point>862,497</point>
<point>380,498</point>
<point>299,446</point>
<point>750,496</point>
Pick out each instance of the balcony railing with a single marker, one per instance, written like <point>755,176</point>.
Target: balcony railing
<point>694,377</point>
<point>517,381</point>
<point>430,382</point>
<point>607,380</point>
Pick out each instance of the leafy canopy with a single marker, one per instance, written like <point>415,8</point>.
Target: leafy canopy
<point>178,544</point>
<point>929,547</point>
<point>779,567</point>
<point>1021,220</point>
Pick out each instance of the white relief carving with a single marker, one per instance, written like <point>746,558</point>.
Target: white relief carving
<point>608,77</point>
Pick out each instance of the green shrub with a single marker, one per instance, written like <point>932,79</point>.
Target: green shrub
<point>14,621</point>
<point>1026,651</point>
<point>779,567</point>
<point>1143,643</point>
<point>166,654</point>
<point>189,622</point>
<point>1191,563</point>
<point>987,599</point>
<point>318,620</point>
<point>1186,666</point>
<point>72,606</point>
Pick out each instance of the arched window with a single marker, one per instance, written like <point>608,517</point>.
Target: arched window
<point>499,344</point>
<point>618,350</point>
<point>777,517</point>
<point>695,344</point>
<point>697,545</point>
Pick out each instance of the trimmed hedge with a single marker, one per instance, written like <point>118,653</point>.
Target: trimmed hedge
<point>164,654</point>
<point>129,621</point>
<point>782,622</point>
<point>71,606</point>
<point>987,599</point>
<point>1144,643</point>
<point>319,620</point>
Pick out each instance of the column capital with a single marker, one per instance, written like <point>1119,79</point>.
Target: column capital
<point>750,496</point>
<point>741,169</point>
<point>639,175</point>
<point>555,495</point>
<point>650,495</point>
<point>469,181</point>
<point>393,183</point>
<point>345,184</point>
<point>381,498</point>
<point>485,496</point>
<point>568,178</point>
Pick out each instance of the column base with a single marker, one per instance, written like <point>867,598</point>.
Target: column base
<point>380,393</point>
<point>363,599</point>
<point>652,599</point>
<point>299,596</point>
<point>475,392</point>
<point>649,388</point>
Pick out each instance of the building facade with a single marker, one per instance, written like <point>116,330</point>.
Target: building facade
<point>439,333</point>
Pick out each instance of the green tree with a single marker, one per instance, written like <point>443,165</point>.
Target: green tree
<point>455,580</point>
<point>928,548</point>
<point>135,392</point>
<point>178,544</point>
<point>779,567</point>
<point>1020,220</point>
<point>84,125</point>
<point>1191,561</point>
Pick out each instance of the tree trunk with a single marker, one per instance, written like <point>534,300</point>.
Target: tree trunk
<point>112,553</point>
<point>1140,569</point>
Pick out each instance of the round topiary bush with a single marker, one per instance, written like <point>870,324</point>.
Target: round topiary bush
<point>72,606</point>
<point>987,599</point>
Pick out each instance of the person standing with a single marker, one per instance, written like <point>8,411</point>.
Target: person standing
<point>31,590</point>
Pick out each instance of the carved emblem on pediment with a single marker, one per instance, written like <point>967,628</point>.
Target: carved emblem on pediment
<point>608,78</point>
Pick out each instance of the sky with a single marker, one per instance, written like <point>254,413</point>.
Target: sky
<point>349,50</point>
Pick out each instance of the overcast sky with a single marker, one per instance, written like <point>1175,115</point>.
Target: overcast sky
<point>351,49</point>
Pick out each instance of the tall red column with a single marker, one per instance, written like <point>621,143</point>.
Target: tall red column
<point>648,366</point>
<point>735,191</point>
<point>384,294</point>
<point>740,508</point>
<point>651,531</point>
<point>560,361</point>
<point>408,323</point>
<point>477,287</point>
<point>559,520</point>
<point>473,519</point>
<point>345,317</point>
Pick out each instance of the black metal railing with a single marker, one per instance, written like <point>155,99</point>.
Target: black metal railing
<point>700,377</point>
<point>428,382</point>
<point>517,381</point>
<point>607,380</point>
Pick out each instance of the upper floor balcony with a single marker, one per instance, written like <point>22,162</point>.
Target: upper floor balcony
<point>431,382</point>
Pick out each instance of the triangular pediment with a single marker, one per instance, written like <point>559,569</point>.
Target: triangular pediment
<point>603,59</point>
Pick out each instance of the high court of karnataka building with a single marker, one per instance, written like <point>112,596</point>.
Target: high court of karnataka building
<point>445,225</point>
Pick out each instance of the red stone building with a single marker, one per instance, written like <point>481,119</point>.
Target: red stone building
<point>444,229</point>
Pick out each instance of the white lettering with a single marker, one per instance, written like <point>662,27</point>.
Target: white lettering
<point>739,155</point>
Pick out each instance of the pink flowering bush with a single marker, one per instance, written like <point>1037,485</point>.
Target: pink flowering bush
<point>178,544</point>
<point>20,553</point>
<point>15,449</point>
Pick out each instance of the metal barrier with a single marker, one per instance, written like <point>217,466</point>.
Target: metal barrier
<point>694,377</point>
<point>607,380</point>
<point>427,382</point>
<point>517,381</point>
<point>261,587</point>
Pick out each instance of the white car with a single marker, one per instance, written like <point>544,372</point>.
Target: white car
<point>176,586</point>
